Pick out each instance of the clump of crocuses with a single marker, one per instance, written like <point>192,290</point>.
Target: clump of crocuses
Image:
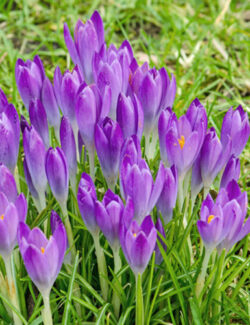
<point>98,115</point>
<point>43,257</point>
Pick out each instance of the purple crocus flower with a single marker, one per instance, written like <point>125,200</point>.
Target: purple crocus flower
<point>155,91</point>
<point>34,151</point>
<point>236,126</point>
<point>49,101</point>
<point>111,69</point>
<point>108,217</point>
<point>138,242</point>
<point>129,115</point>
<point>66,87</point>
<point>38,119</point>
<point>86,198</point>
<point>211,160</point>
<point>183,138</point>
<point>131,148</point>
<point>58,174</point>
<point>168,196</point>
<point>43,257</point>
<point>69,148</point>
<point>9,134</point>
<point>88,39</point>
<point>108,143</point>
<point>10,216</point>
<point>7,183</point>
<point>29,78</point>
<point>137,182</point>
<point>215,221</point>
<point>158,256</point>
<point>88,110</point>
<point>239,203</point>
<point>232,171</point>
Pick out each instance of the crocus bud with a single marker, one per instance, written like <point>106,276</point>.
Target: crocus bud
<point>43,257</point>
<point>111,74</point>
<point>168,196</point>
<point>131,148</point>
<point>66,88</point>
<point>108,217</point>
<point>7,183</point>
<point>137,182</point>
<point>138,243</point>
<point>238,207</point>
<point>87,115</point>
<point>88,39</point>
<point>155,92</point>
<point>58,174</point>
<point>108,143</point>
<point>213,158</point>
<point>232,171</point>
<point>236,126</point>
<point>166,120</point>
<point>9,134</point>
<point>130,116</point>
<point>86,198</point>
<point>38,119</point>
<point>34,151</point>
<point>158,256</point>
<point>29,78</point>
<point>69,148</point>
<point>50,104</point>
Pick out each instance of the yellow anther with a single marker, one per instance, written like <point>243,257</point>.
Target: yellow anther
<point>2,217</point>
<point>42,250</point>
<point>181,141</point>
<point>134,234</point>
<point>210,218</point>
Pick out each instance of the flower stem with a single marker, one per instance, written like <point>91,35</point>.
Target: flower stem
<point>102,267</point>
<point>116,299</point>
<point>73,251</point>
<point>201,278</point>
<point>46,314</point>
<point>139,301</point>
<point>69,230</point>
<point>92,163</point>
<point>12,289</point>
<point>180,197</point>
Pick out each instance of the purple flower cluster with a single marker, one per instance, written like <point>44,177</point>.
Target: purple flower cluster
<point>106,104</point>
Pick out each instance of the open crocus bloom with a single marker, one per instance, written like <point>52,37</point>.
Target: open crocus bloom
<point>180,140</point>
<point>221,223</point>
<point>43,257</point>
<point>238,229</point>
<point>138,242</point>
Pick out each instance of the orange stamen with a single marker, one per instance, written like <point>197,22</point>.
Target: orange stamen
<point>181,141</point>
<point>42,250</point>
<point>2,217</point>
<point>210,218</point>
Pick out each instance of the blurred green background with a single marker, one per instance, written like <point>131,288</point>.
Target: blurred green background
<point>204,43</point>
